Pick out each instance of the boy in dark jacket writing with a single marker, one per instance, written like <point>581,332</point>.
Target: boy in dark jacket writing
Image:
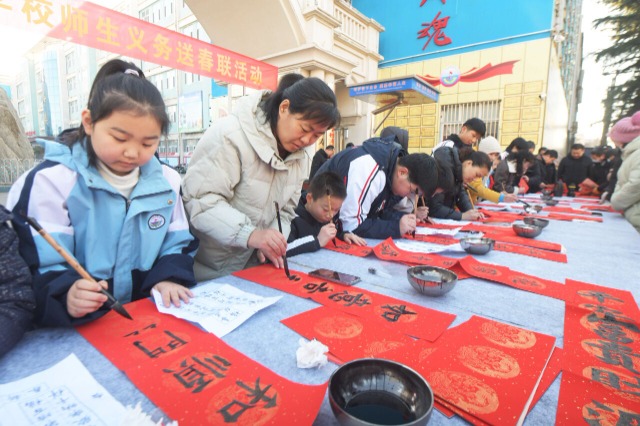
<point>314,225</point>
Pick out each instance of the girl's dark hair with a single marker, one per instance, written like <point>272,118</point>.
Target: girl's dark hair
<point>521,157</point>
<point>327,183</point>
<point>519,143</point>
<point>479,159</point>
<point>310,97</point>
<point>121,86</point>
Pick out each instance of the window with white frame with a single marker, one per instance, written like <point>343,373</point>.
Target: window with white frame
<point>21,108</point>
<point>20,90</point>
<point>71,85</point>
<point>452,117</point>
<point>70,61</point>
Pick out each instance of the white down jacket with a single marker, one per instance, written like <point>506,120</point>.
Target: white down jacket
<point>235,175</point>
<point>626,196</point>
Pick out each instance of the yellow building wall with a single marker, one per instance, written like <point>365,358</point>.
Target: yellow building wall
<point>522,109</point>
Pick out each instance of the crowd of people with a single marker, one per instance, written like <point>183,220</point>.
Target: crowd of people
<point>249,195</point>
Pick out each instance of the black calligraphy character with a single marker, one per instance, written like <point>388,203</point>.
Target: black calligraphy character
<point>615,354</point>
<point>387,250</point>
<point>137,332</point>
<point>596,409</point>
<point>195,375</point>
<point>256,393</point>
<point>314,287</point>
<point>611,379</point>
<point>599,296</point>
<point>350,299</point>
<point>176,342</point>
<point>438,36</point>
<point>395,312</point>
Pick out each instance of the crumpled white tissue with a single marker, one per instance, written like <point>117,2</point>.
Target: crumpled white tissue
<point>311,354</point>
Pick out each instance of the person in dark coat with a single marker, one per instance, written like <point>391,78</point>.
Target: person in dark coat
<point>549,171</point>
<point>396,134</point>
<point>510,172</point>
<point>574,168</point>
<point>471,132</point>
<point>321,156</point>
<point>459,169</point>
<point>17,302</point>
<point>599,169</point>
<point>316,222</point>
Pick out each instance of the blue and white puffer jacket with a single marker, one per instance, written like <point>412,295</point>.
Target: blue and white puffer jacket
<point>132,244</point>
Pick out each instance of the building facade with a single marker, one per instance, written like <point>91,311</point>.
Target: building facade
<point>515,67</point>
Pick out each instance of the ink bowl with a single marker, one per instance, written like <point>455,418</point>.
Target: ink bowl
<point>536,221</point>
<point>536,208</point>
<point>372,391</point>
<point>431,280</point>
<point>551,202</point>
<point>525,230</point>
<point>477,245</point>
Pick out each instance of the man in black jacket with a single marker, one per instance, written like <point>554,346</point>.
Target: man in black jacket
<point>321,156</point>
<point>471,132</point>
<point>574,168</point>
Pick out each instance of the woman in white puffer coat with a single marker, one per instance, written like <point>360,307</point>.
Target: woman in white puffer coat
<point>247,161</point>
<point>626,197</point>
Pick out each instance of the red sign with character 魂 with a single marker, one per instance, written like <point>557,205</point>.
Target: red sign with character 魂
<point>101,28</point>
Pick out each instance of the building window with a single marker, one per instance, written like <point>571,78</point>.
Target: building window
<point>20,90</point>
<point>73,108</point>
<point>144,14</point>
<point>21,108</point>
<point>70,60</point>
<point>71,85</point>
<point>452,117</point>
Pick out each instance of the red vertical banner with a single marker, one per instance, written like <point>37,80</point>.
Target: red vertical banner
<point>195,377</point>
<point>95,26</point>
<point>602,345</point>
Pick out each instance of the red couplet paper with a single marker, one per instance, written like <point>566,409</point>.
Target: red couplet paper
<point>582,401</point>
<point>570,217</point>
<point>530,251</point>
<point>193,376</point>
<point>493,216</point>
<point>599,207</point>
<point>410,319</point>
<point>387,250</point>
<point>346,248</point>
<point>348,337</point>
<point>508,235</point>
<point>602,338</point>
<point>507,276</point>
<point>437,225</point>
<point>551,371</point>
<point>486,369</point>
<point>435,239</point>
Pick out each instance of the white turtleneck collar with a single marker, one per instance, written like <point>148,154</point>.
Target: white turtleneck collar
<point>124,184</point>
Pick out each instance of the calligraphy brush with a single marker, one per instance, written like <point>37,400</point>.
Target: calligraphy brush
<point>284,257</point>
<point>115,304</point>
<point>331,214</point>
<point>415,210</point>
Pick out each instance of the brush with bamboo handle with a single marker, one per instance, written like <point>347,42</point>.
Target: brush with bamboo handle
<point>115,304</point>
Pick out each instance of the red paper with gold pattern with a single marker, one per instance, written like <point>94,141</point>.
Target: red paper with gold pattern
<point>530,251</point>
<point>570,217</point>
<point>348,336</point>
<point>444,240</point>
<point>379,309</point>
<point>487,369</point>
<point>508,235</point>
<point>504,275</point>
<point>599,207</point>
<point>387,250</point>
<point>193,376</point>
<point>551,371</point>
<point>437,225</point>
<point>346,248</point>
<point>493,216</point>
<point>602,338</point>
<point>582,401</point>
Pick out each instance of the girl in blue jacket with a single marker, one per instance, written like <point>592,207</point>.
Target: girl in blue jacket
<point>103,195</point>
